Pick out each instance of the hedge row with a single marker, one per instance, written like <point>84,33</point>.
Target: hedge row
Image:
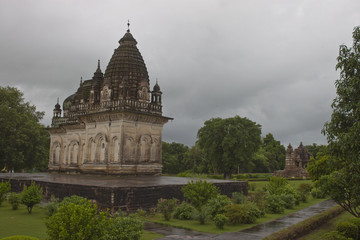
<point>302,228</point>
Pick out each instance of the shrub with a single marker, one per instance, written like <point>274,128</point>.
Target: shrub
<point>238,198</point>
<point>348,229</point>
<point>216,205</point>
<point>258,198</point>
<point>52,206</point>
<point>124,228</point>
<point>167,207</point>
<point>242,213</point>
<point>274,204</point>
<point>289,200</point>
<point>202,214</point>
<point>276,185</point>
<point>220,220</point>
<point>334,235</point>
<point>199,192</point>
<point>5,187</point>
<point>31,195</point>
<point>140,213</point>
<point>356,221</point>
<point>76,219</point>
<point>317,193</point>
<point>184,211</point>
<point>14,200</point>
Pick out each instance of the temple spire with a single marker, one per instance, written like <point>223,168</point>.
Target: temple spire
<point>128,24</point>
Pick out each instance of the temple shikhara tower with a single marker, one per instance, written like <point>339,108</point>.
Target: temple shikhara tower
<point>113,123</point>
<point>295,163</point>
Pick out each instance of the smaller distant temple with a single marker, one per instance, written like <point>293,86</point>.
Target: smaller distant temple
<point>295,163</point>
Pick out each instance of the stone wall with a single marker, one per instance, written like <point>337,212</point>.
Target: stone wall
<point>125,198</point>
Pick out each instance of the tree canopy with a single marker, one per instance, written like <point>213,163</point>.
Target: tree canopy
<point>23,140</point>
<point>341,179</point>
<point>229,143</point>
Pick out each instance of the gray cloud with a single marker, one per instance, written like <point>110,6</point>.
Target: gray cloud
<point>270,61</point>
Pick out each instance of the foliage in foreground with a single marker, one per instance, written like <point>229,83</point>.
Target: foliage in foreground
<point>31,195</point>
<point>167,207</point>
<point>20,237</point>
<point>79,219</point>
<point>199,192</point>
<point>337,171</point>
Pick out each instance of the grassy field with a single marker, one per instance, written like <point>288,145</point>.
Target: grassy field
<point>330,226</point>
<point>19,222</point>
<point>261,184</point>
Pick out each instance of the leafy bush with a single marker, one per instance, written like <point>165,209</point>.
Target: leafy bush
<point>5,187</point>
<point>14,200</point>
<point>274,204</point>
<point>317,193</point>
<point>184,211</point>
<point>216,205</point>
<point>20,237</point>
<point>277,185</point>
<point>220,220</point>
<point>124,228</point>
<point>199,192</point>
<point>76,219</point>
<point>202,214</point>
<point>334,235</point>
<point>289,200</point>
<point>167,207</point>
<point>356,221</point>
<point>348,229</point>
<point>258,198</point>
<point>238,198</point>
<point>242,213</point>
<point>140,213</point>
<point>31,195</point>
<point>52,206</point>
<point>304,191</point>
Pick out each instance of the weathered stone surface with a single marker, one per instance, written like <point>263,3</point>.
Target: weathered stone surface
<point>113,123</point>
<point>128,193</point>
<point>295,163</point>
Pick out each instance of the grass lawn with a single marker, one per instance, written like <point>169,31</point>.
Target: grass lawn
<point>210,227</point>
<point>19,222</point>
<point>328,227</point>
<point>259,185</point>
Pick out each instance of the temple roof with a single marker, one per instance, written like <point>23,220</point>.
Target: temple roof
<point>126,64</point>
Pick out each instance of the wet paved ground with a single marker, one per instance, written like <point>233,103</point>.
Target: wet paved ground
<point>258,232</point>
<point>103,180</point>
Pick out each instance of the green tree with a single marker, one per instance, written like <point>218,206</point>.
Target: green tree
<point>23,140</point>
<point>195,161</point>
<point>314,149</point>
<point>260,161</point>
<point>274,152</point>
<point>173,155</point>
<point>77,220</point>
<point>343,131</point>
<point>229,143</point>
<point>31,195</point>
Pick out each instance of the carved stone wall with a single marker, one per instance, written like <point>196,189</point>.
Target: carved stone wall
<point>115,143</point>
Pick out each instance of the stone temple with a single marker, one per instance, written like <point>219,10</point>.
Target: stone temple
<point>113,123</point>
<point>295,163</point>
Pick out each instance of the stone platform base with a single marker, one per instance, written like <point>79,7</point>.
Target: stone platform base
<point>127,193</point>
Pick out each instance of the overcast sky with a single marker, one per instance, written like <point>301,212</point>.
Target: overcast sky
<point>270,61</point>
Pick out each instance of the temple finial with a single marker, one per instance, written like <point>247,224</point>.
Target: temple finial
<point>98,63</point>
<point>81,81</point>
<point>128,26</point>
<point>58,100</point>
<point>156,81</point>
